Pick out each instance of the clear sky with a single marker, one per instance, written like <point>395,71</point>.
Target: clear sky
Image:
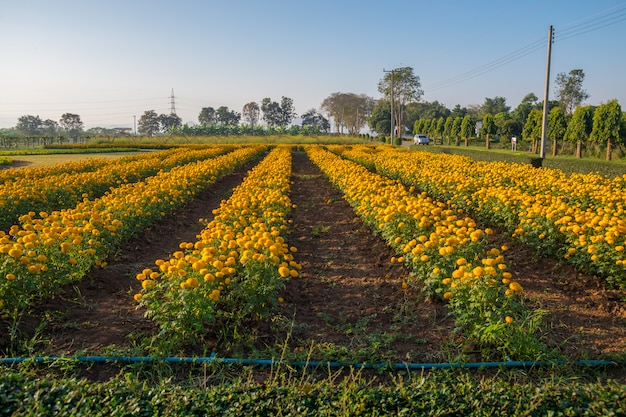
<point>110,60</point>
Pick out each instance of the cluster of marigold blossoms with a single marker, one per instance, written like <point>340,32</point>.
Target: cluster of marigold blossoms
<point>446,249</point>
<point>579,217</point>
<point>64,185</point>
<point>48,250</point>
<point>239,262</point>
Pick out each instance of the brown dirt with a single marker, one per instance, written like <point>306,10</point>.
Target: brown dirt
<point>348,300</point>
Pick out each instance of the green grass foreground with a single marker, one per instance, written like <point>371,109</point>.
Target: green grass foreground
<point>440,393</point>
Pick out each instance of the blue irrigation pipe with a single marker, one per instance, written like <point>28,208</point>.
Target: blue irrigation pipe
<point>268,362</point>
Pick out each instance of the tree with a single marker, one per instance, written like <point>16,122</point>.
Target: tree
<point>207,116</point>
<point>167,122</point>
<point>455,131</point>
<point>580,127</point>
<point>400,86</point>
<point>29,125</point>
<point>49,127</point>
<point>348,110</point>
<point>488,128</point>
<point>529,102</point>
<point>148,123</point>
<point>287,111</point>
<point>458,111</point>
<point>532,128</point>
<point>315,120</point>
<point>494,106</point>
<point>468,128</point>
<point>71,123</point>
<point>226,117</point>
<point>569,89</point>
<point>506,125</point>
<point>423,110</point>
<point>379,120</point>
<point>251,113</point>
<point>557,126</point>
<point>447,129</point>
<point>607,121</point>
<point>275,114</point>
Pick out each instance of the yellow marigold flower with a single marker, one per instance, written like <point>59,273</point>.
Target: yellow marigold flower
<point>514,286</point>
<point>146,284</point>
<point>284,271</point>
<point>293,273</point>
<point>447,295</point>
<point>138,296</point>
<point>461,261</point>
<point>508,319</point>
<point>446,281</point>
<point>10,277</point>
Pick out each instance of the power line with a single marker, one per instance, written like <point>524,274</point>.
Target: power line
<point>598,21</point>
<point>490,66</point>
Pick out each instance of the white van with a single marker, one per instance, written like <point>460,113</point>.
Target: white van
<point>421,140</point>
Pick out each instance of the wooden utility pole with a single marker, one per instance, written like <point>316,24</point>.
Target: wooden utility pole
<point>544,124</point>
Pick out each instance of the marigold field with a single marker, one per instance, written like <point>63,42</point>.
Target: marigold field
<point>351,254</point>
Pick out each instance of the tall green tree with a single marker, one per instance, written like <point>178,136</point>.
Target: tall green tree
<point>148,124</point>
<point>29,125</point>
<point>506,125</point>
<point>287,111</point>
<point>315,120</point>
<point>278,114</point>
<point>458,111</point>
<point>379,120</point>
<point>569,89</point>
<point>400,86</point>
<point>447,129</point>
<point>455,131</point>
<point>580,127</point>
<point>468,128</point>
<point>529,102</point>
<point>607,121</point>
<point>557,126</point>
<point>71,123</point>
<point>488,128</point>
<point>494,106</point>
<point>167,122</point>
<point>251,113</point>
<point>226,117</point>
<point>532,129</point>
<point>348,110</point>
<point>207,116</point>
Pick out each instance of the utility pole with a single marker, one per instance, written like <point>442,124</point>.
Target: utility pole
<point>393,120</point>
<point>135,125</point>
<point>544,123</point>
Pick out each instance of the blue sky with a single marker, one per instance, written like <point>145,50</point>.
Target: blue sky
<point>111,60</point>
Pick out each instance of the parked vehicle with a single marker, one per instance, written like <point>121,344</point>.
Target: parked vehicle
<point>421,140</point>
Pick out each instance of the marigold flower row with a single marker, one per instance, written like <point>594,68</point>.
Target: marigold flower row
<point>49,250</point>
<point>581,218</point>
<point>238,264</point>
<point>447,251</point>
<point>55,192</point>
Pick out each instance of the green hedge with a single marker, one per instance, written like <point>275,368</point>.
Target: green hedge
<point>441,394</point>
